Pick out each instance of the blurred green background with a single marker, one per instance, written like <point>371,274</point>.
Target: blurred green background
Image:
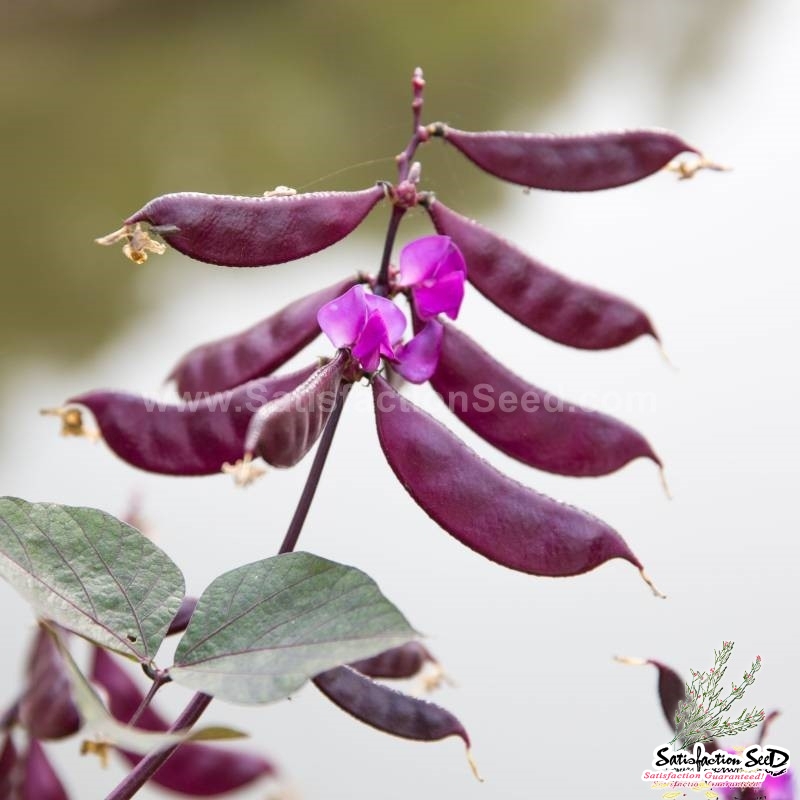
<point>104,105</point>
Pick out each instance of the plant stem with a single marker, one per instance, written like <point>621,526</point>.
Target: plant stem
<point>158,681</point>
<point>312,481</point>
<point>150,764</point>
<point>381,287</point>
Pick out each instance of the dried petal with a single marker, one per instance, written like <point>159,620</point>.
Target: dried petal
<point>46,709</point>
<point>226,363</point>
<point>405,661</point>
<point>388,710</point>
<point>482,508</point>
<point>554,306</point>
<point>528,423</point>
<point>255,231</point>
<point>194,769</point>
<point>284,430</point>
<point>195,438</point>
<point>568,163</point>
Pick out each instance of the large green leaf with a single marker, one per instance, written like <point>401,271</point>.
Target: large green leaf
<point>91,573</point>
<point>260,631</point>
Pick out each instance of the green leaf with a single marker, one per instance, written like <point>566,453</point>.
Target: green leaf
<point>91,573</point>
<point>261,631</point>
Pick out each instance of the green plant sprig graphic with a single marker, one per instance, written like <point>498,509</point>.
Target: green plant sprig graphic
<point>699,715</point>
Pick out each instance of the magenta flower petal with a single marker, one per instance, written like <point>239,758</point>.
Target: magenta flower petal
<point>439,296</point>
<point>393,317</point>
<point>372,343</point>
<point>343,319</point>
<point>417,359</point>
<point>419,259</point>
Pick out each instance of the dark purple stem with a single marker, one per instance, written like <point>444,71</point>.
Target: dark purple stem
<point>382,284</point>
<point>159,680</point>
<point>309,490</point>
<point>150,764</point>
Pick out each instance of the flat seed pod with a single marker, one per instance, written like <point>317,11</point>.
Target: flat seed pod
<point>526,422</point>
<point>386,709</point>
<point>581,163</point>
<point>551,304</point>
<point>237,231</point>
<point>46,709</point>
<point>196,438</point>
<point>284,430</point>
<point>487,511</point>
<point>405,661</point>
<point>259,350</point>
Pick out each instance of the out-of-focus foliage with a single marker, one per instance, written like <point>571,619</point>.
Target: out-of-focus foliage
<point>104,105</point>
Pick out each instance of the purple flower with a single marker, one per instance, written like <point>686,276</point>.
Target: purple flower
<point>434,269</point>
<point>372,327</point>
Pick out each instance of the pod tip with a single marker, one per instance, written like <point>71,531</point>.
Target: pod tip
<point>631,661</point>
<point>244,471</point>
<point>667,491</point>
<point>71,422</point>
<point>474,766</point>
<point>653,588</point>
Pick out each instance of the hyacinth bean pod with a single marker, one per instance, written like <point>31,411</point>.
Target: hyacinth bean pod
<point>192,439</point>
<point>284,430</point>
<point>386,709</point>
<point>528,423</point>
<point>258,351</point>
<point>46,709</point>
<point>551,304</point>
<point>487,511</point>
<point>405,661</point>
<point>237,231</point>
<point>195,769</point>
<point>40,781</point>
<point>582,163</point>
<point>181,619</point>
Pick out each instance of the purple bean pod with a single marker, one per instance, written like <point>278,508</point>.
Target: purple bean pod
<point>487,511</point>
<point>195,438</point>
<point>8,766</point>
<point>284,430</point>
<point>386,709</point>
<point>405,661</point>
<point>40,781</point>
<point>237,231</point>
<point>581,163</point>
<point>526,422</point>
<point>184,615</point>
<point>551,304</point>
<point>195,769</point>
<point>260,350</point>
<point>46,709</point>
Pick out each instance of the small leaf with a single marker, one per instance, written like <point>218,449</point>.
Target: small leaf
<point>261,631</point>
<point>91,573</point>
